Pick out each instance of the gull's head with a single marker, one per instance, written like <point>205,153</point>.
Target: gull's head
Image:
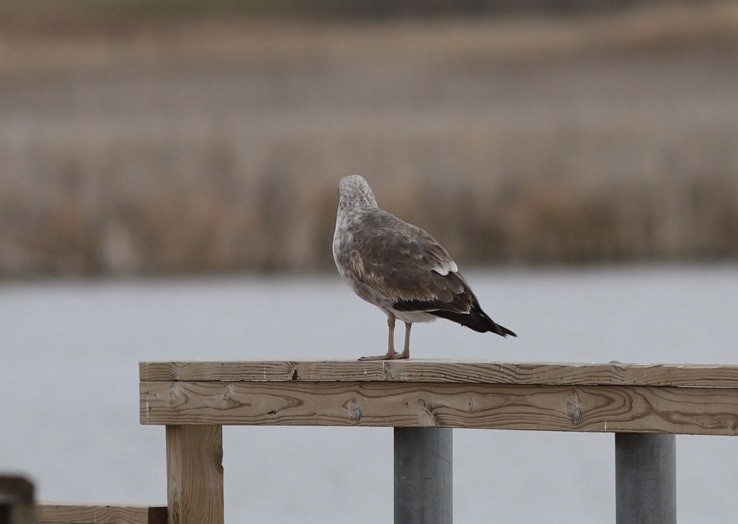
<point>354,191</point>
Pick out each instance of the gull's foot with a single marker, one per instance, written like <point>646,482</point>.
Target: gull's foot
<point>387,356</point>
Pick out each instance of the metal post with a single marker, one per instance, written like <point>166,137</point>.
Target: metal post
<point>645,478</point>
<point>423,476</point>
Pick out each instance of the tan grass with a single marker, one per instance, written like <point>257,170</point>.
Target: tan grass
<point>217,146</point>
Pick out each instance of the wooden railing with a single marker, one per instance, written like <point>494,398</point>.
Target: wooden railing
<point>100,514</point>
<point>644,405</point>
<point>18,506</point>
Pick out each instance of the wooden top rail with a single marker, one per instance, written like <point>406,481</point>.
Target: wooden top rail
<point>614,397</point>
<point>521,373</point>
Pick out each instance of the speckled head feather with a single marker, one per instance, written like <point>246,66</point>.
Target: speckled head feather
<point>354,192</point>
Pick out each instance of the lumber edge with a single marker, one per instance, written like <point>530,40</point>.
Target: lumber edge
<point>442,371</point>
<point>53,513</point>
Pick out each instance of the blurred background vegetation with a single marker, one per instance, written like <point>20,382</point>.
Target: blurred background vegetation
<point>172,136</point>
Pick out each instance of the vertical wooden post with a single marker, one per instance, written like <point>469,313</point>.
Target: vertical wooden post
<point>16,500</point>
<point>423,476</point>
<point>195,474</point>
<point>645,478</point>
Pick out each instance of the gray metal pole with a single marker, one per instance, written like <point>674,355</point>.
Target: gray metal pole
<point>423,476</point>
<point>645,478</point>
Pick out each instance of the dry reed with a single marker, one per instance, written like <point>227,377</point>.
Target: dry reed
<point>543,144</point>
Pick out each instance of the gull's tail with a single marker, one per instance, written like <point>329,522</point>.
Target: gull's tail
<point>476,319</point>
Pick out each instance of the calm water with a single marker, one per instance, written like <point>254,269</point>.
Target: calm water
<point>69,390</point>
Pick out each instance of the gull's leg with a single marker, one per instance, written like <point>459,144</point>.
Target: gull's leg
<point>390,335</point>
<point>406,349</point>
<point>391,354</point>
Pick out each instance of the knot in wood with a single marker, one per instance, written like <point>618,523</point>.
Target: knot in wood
<point>354,410</point>
<point>574,408</point>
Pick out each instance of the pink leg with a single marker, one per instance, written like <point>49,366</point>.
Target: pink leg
<point>406,349</point>
<point>391,353</point>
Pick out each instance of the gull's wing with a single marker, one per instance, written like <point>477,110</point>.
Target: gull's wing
<point>408,266</point>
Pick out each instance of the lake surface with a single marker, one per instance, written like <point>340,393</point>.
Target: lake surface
<point>69,389</point>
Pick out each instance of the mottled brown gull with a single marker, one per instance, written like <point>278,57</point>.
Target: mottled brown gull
<point>400,268</point>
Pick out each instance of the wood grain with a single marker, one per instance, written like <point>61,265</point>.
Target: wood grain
<point>195,474</point>
<point>100,514</point>
<point>643,409</point>
<point>429,371</point>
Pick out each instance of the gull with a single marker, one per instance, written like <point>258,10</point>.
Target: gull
<point>400,268</point>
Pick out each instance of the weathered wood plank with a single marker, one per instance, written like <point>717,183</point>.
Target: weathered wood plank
<point>195,474</point>
<point>642,409</point>
<point>689,375</point>
<point>100,514</point>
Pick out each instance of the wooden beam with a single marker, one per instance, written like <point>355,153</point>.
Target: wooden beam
<point>195,474</point>
<point>100,514</point>
<point>640,409</point>
<point>440,371</point>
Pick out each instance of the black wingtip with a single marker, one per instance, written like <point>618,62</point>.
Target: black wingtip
<point>476,320</point>
<point>504,332</point>
<point>493,326</point>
